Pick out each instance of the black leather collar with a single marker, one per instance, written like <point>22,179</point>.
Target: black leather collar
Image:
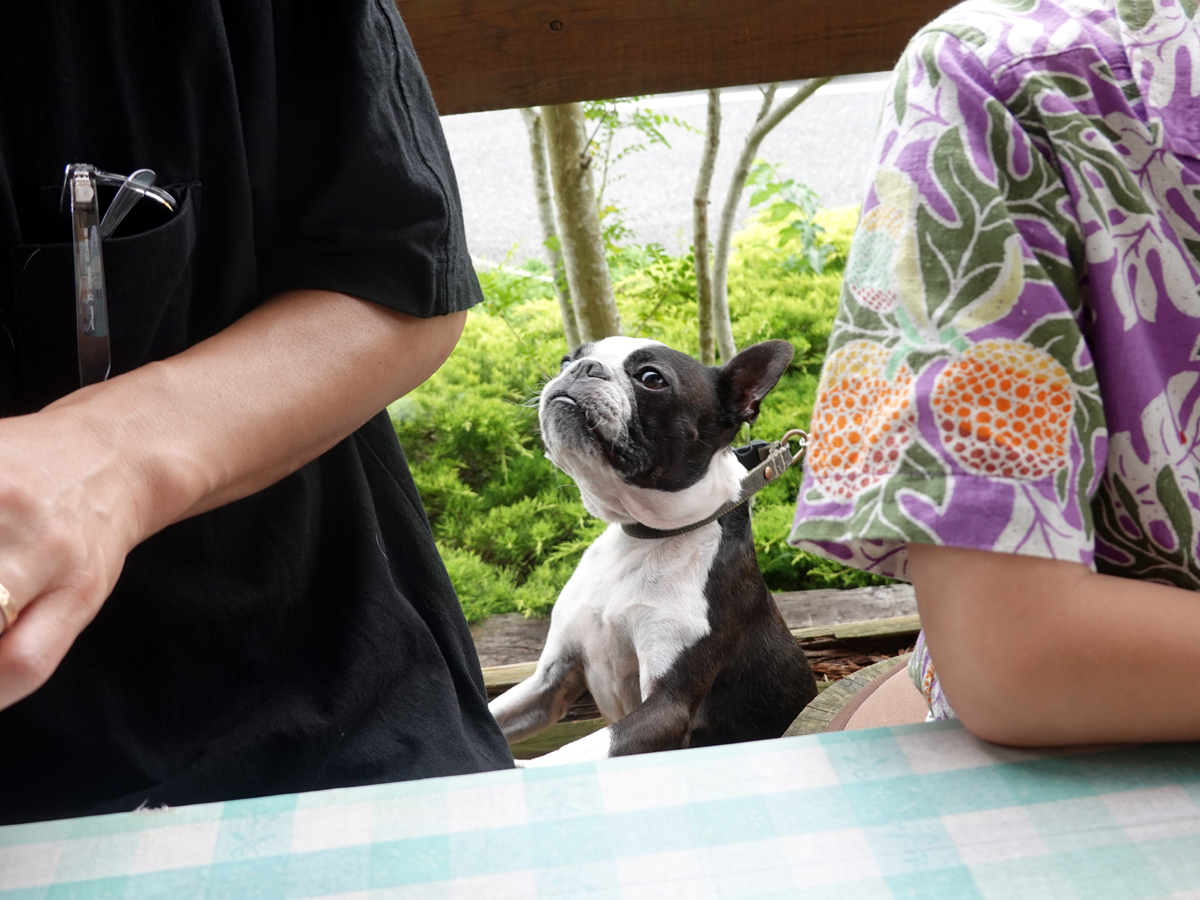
<point>774,459</point>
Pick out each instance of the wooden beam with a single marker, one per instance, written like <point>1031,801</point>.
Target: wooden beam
<point>499,54</point>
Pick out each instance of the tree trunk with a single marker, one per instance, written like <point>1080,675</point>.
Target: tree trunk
<point>766,121</point>
<point>579,222</point>
<point>704,284</point>
<point>545,205</point>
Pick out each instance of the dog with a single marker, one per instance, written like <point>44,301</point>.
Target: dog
<point>677,638</point>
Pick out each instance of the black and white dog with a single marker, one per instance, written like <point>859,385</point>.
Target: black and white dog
<point>677,638</point>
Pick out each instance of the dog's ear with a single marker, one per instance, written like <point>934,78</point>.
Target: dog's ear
<point>748,377</point>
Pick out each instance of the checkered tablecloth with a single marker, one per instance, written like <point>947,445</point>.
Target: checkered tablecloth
<point>923,811</point>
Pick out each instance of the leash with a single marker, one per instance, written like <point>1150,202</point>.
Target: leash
<point>774,459</point>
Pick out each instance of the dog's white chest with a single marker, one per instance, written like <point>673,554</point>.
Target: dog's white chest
<point>632,607</point>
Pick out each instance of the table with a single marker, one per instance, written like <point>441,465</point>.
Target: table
<point>922,811</point>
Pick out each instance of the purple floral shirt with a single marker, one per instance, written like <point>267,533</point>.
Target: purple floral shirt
<point>1015,365</point>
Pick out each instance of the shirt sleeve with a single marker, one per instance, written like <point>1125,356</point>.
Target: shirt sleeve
<point>958,404</point>
<point>366,200</point>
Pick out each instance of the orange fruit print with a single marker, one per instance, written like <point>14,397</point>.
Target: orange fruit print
<point>861,421</point>
<point>1004,408</point>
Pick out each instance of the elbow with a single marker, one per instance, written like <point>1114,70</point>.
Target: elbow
<point>414,349</point>
<point>998,724</point>
<point>998,696</point>
<point>1002,638</point>
<point>449,329</point>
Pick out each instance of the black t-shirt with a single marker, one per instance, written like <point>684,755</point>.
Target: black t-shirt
<point>307,636</point>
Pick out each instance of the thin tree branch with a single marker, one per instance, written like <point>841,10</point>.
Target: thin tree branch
<point>704,292</point>
<point>768,119</point>
<point>768,99</point>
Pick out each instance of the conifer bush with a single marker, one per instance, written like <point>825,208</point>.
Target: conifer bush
<point>511,527</point>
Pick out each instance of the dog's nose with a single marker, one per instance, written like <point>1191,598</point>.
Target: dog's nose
<point>591,368</point>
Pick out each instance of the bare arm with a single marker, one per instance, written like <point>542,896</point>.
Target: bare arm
<point>91,476</point>
<point>1040,652</point>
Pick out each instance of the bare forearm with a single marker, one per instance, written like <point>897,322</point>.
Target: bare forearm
<point>252,404</point>
<point>1040,652</point>
<point>93,475</point>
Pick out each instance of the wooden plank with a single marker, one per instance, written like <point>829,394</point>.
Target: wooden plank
<point>500,678</point>
<point>898,625</point>
<point>498,54</point>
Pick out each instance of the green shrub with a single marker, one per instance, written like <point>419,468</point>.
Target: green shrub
<point>510,526</point>
<point>483,590</point>
<point>537,595</point>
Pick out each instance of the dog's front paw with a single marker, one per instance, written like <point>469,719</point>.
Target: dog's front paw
<point>587,749</point>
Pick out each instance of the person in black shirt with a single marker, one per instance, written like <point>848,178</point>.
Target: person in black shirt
<point>226,583</point>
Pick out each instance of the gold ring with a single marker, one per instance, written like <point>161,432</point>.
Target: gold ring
<point>8,608</point>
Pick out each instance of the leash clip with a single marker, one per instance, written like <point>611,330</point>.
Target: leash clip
<point>797,433</point>
<point>778,458</point>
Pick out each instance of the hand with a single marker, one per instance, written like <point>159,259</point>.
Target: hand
<point>67,522</point>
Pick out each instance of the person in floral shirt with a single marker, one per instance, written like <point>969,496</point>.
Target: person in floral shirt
<point>1015,368</point>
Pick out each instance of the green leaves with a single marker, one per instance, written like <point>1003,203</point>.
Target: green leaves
<point>627,113</point>
<point>783,566</point>
<point>1068,130</point>
<point>1123,529</point>
<point>795,207</point>
<point>611,118</point>
<point>1061,338</point>
<point>505,287</point>
<point>971,261</point>
<point>959,255</point>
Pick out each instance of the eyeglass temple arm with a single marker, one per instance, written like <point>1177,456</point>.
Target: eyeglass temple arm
<point>139,189</point>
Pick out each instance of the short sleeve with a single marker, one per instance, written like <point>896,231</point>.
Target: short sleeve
<point>366,200</point>
<point>958,403</point>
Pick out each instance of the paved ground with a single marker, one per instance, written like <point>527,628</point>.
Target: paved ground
<point>826,143</point>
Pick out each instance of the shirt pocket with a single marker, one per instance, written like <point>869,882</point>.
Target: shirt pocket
<point>148,278</point>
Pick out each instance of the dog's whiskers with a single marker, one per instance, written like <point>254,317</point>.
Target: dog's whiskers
<point>535,396</point>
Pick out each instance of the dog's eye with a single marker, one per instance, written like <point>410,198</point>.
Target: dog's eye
<point>652,379</point>
<point>562,366</point>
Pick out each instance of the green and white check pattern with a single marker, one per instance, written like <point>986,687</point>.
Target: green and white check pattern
<point>922,811</point>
